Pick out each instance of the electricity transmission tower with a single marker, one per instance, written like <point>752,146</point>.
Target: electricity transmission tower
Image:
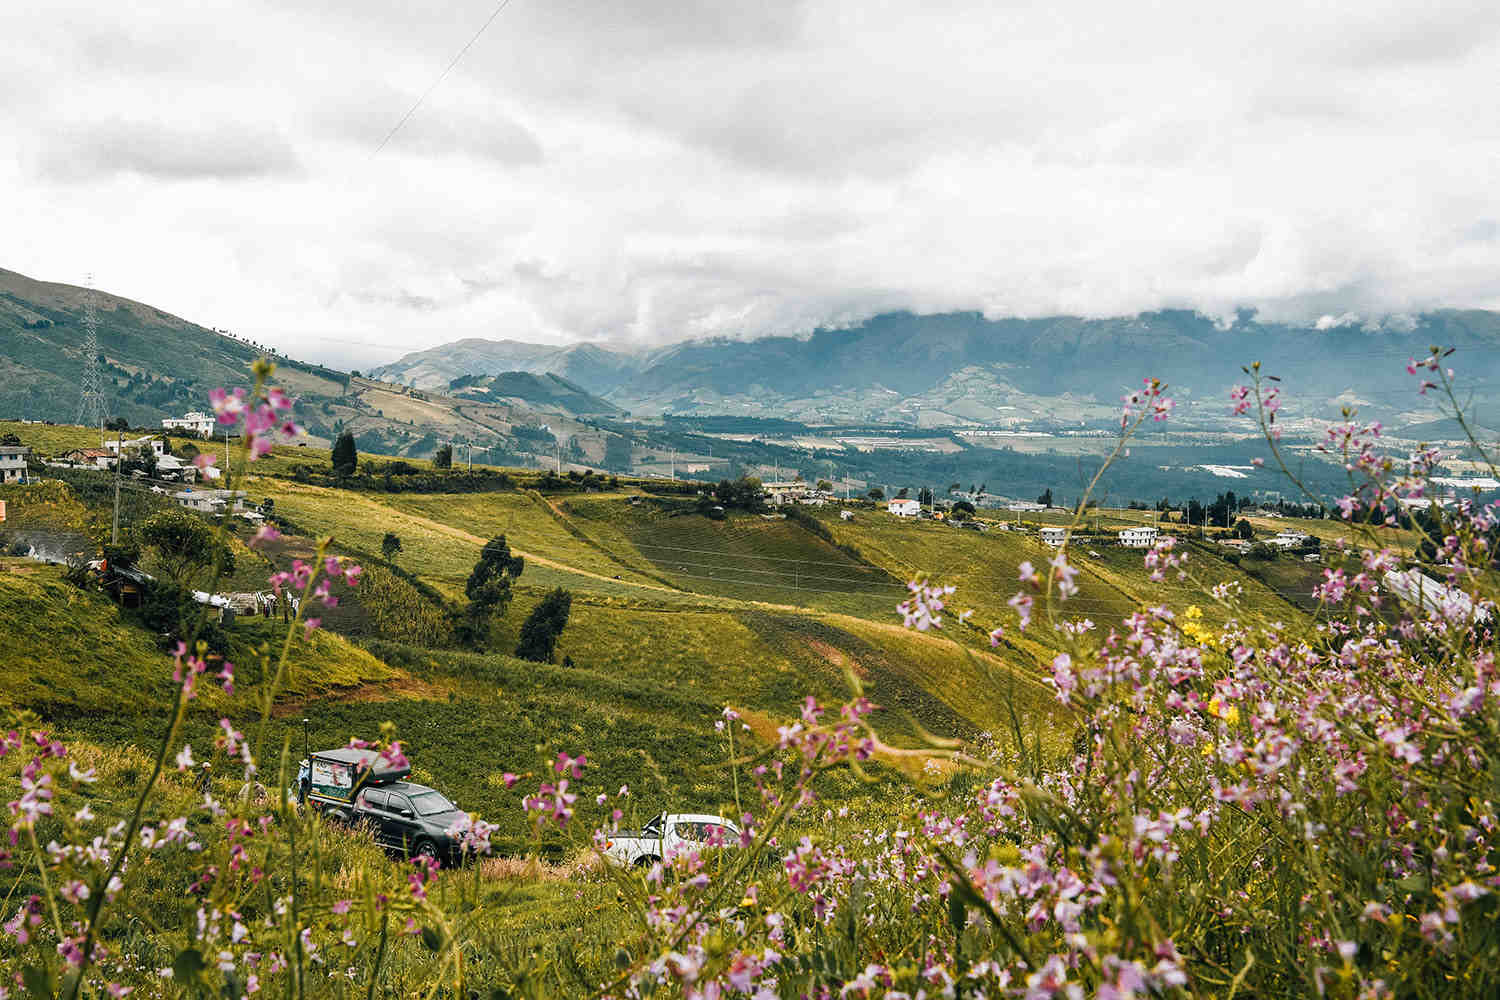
<point>91,409</point>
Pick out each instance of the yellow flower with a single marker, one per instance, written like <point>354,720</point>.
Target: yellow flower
<point>1229,714</point>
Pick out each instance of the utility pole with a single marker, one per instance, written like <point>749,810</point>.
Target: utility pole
<point>674,463</point>
<point>114,531</point>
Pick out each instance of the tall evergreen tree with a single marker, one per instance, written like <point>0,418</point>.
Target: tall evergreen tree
<point>345,455</point>
<point>544,626</point>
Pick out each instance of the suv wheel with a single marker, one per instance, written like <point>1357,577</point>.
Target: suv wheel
<point>426,849</point>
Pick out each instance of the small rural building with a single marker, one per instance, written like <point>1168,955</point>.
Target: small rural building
<point>790,491</point>
<point>846,515</point>
<point>197,422</point>
<point>1053,536</point>
<point>904,507</point>
<point>211,501</point>
<point>1287,539</point>
<point>13,463</point>
<point>101,458</point>
<point>1139,537</point>
<point>156,444</point>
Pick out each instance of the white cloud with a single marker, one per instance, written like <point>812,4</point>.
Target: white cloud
<point>650,171</point>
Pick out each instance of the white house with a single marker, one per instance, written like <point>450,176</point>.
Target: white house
<point>197,422</point>
<point>778,493</point>
<point>1053,536</point>
<point>13,463</point>
<point>1025,505</point>
<point>846,515</point>
<point>156,444</point>
<point>1287,539</point>
<point>1139,537</point>
<point>904,507</point>
<point>211,501</point>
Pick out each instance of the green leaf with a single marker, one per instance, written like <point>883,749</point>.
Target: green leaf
<point>38,982</point>
<point>958,913</point>
<point>187,965</point>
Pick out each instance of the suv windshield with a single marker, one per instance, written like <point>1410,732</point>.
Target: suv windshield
<point>431,803</point>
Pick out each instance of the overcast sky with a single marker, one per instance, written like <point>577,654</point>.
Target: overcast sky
<point>645,171</point>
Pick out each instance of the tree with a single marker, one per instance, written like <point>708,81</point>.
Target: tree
<point>1046,498</point>
<point>743,493</point>
<point>488,590</point>
<point>544,626</point>
<point>345,455</point>
<point>824,486</point>
<point>901,493</point>
<point>924,497</point>
<point>184,546</point>
<point>1244,530</point>
<point>877,494</point>
<point>955,487</point>
<point>961,509</point>
<point>443,457</point>
<point>117,424</point>
<point>389,546</point>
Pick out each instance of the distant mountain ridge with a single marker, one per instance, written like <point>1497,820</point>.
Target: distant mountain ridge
<point>902,363</point>
<point>543,391</point>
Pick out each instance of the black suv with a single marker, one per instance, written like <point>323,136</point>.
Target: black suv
<point>409,818</point>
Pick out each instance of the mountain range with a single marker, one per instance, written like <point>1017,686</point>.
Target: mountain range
<point>960,369</point>
<point>156,365</point>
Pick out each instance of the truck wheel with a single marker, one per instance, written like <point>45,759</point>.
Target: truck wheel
<point>426,849</point>
<point>646,860</point>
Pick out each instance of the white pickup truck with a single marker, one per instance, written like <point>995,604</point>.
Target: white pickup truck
<point>667,836</point>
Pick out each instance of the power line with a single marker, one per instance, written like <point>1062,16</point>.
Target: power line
<point>446,70</point>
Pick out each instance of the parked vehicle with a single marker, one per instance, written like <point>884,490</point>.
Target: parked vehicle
<point>359,788</point>
<point>328,780</point>
<point>666,836</point>
<point>413,819</point>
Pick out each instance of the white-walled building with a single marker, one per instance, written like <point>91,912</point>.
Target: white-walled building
<point>905,507</point>
<point>156,444</point>
<point>1139,537</point>
<point>211,501</point>
<point>13,463</point>
<point>1053,536</point>
<point>197,422</point>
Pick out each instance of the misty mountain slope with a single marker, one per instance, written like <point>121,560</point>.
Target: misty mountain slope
<point>546,391</point>
<point>966,365</point>
<point>155,364</point>
<point>595,368</point>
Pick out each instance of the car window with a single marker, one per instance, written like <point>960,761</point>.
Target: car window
<point>431,803</point>
<point>691,831</point>
<point>395,803</point>
<point>715,835</point>
<point>372,799</point>
<point>653,828</point>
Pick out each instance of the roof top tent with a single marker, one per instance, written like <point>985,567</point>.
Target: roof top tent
<point>330,778</point>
